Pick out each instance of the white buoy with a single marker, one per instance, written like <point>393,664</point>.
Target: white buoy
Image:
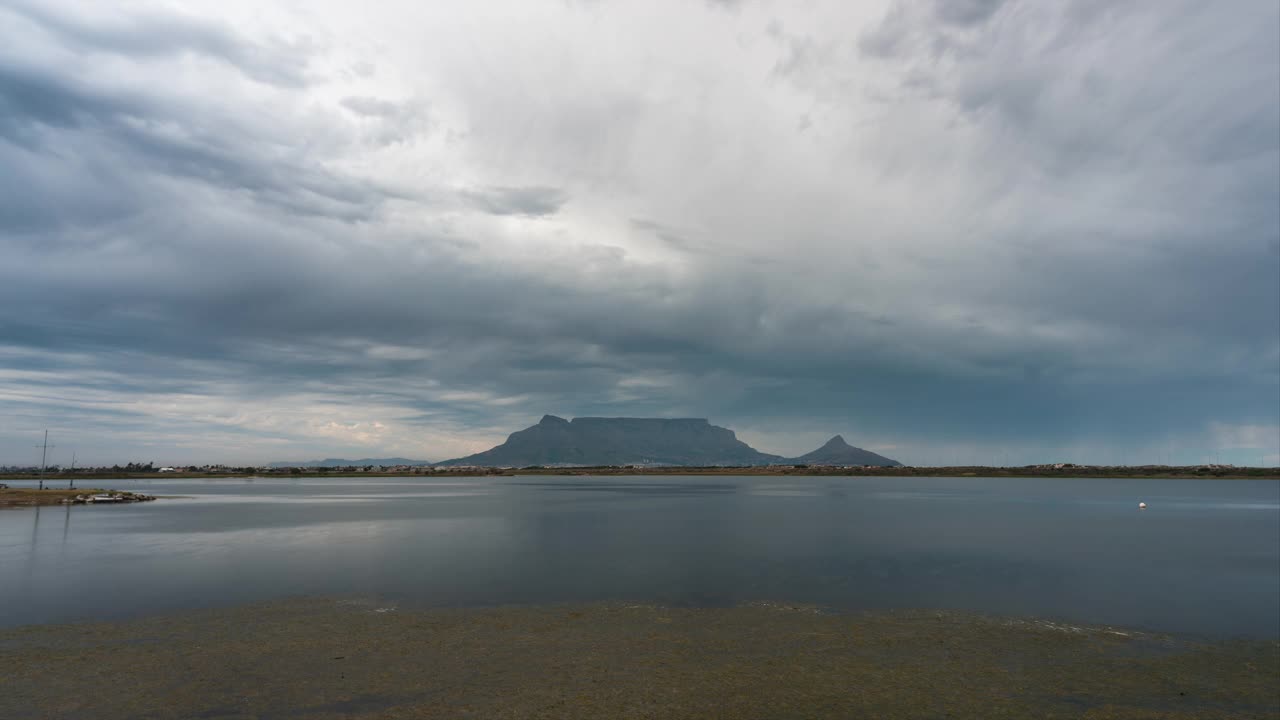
<point>1142,506</point>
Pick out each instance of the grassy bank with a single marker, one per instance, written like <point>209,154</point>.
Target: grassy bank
<point>335,659</point>
<point>26,497</point>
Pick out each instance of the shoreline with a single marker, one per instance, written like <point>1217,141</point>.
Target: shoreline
<point>1079,473</point>
<point>31,497</point>
<point>366,658</point>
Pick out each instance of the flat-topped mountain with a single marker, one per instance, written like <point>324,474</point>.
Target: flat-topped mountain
<point>619,441</point>
<point>839,452</point>
<point>648,441</point>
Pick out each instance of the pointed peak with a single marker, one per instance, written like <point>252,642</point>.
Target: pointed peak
<point>839,452</point>
<point>552,420</point>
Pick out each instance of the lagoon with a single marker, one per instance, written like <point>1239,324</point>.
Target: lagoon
<point>1203,559</point>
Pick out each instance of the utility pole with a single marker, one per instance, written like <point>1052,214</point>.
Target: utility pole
<point>44,455</point>
<point>72,486</point>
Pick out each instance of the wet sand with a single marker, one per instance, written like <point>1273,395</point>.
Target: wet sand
<point>331,658</point>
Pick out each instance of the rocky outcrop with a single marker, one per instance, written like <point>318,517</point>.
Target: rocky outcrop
<point>107,498</point>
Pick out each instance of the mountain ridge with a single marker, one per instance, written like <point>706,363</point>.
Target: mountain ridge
<point>619,441</point>
<point>837,451</point>
<point>586,441</point>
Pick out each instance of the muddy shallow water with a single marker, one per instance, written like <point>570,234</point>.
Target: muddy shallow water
<point>366,658</point>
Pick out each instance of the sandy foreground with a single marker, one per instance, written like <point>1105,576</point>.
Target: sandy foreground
<point>344,658</point>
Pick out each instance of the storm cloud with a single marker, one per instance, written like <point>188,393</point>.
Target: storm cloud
<point>952,232</point>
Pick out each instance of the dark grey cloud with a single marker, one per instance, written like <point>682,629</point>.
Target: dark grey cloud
<point>665,233</point>
<point>973,243</point>
<point>531,201</point>
<point>393,122</point>
<point>118,136</point>
<point>966,12</point>
<point>938,28</point>
<point>371,106</point>
<point>161,33</point>
<point>32,97</point>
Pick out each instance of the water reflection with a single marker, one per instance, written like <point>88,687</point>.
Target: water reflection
<point>1205,558</point>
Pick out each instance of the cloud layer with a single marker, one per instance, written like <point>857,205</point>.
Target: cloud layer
<point>954,232</point>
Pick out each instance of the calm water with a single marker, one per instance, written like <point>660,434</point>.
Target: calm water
<point>1205,558</point>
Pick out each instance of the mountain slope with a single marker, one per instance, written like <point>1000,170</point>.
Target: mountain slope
<point>619,441</point>
<point>839,452</point>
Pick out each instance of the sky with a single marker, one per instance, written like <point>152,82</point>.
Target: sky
<point>973,231</point>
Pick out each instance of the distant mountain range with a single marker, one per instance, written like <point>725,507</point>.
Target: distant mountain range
<point>688,442</point>
<point>343,462</point>
<point>648,441</point>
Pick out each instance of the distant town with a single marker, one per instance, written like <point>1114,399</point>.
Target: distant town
<point>1061,470</point>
